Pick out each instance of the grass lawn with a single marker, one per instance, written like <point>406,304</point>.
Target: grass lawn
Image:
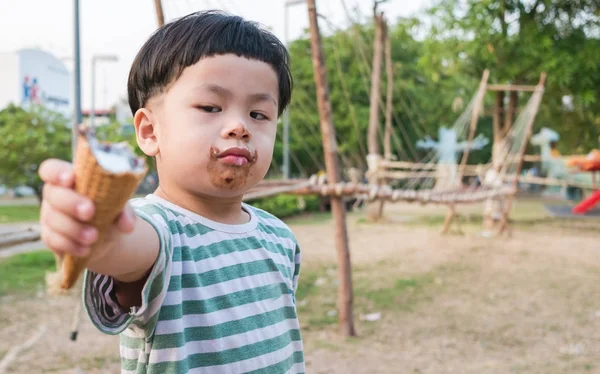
<point>25,273</point>
<point>19,213</point>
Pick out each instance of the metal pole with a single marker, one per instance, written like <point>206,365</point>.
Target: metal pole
<point>286,114</point>
<point>93,105</point>
<point>76,80</point>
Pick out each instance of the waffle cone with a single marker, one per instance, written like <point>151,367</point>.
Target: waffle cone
<point>108,191</point>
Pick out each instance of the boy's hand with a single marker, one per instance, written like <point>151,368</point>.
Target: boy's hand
<point>65,213</point>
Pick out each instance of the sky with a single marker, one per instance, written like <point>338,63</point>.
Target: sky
<point>120,27</point>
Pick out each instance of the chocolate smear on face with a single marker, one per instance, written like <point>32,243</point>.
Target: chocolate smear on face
<point>229,177</point>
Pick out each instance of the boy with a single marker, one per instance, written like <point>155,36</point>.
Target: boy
<point>199,282</point>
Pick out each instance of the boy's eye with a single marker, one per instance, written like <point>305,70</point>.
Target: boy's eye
<point>210,109</point>
<point>258,116</point>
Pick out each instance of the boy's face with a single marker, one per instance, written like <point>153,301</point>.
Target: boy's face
<point>216,126</point>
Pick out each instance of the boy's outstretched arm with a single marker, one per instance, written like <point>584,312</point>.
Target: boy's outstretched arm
<point>131,247</point>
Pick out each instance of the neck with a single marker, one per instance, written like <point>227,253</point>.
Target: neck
<point>218,209</point>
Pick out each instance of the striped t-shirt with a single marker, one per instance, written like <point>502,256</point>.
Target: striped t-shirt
<point>219,299</point>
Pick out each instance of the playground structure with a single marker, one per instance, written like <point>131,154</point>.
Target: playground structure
<point>439,178</point>
<point>566,176</point>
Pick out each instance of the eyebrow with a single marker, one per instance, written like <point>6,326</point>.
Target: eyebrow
<point>222,91</point>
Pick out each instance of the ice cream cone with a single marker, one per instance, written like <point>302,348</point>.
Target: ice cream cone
<point>109,192</point>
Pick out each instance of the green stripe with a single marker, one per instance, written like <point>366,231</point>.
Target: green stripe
<point>130,342</point>
<point>224,329</point>
<point>170,367</point>
<point>229,356</point>
<point>156,287</point>
<point>245,352</point>
<point>203,252</point>
<point>190,230</point>
<point>129,364</point>
<point>225,274</point>
<point>261,213</point>
<point>223,247</point>
<point>283,366</point>
<point>273,291</point>
<point>277,231</point>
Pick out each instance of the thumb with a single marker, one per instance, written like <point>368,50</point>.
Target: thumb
<point>126,221</point>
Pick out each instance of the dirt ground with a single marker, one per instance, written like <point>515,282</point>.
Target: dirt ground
<point>525,304</point>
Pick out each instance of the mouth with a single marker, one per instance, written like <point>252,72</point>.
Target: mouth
<point>236,156</point>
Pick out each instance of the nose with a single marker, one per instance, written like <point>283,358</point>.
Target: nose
<point>237,130</point>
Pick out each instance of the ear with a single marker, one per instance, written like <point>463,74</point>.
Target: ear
<point>144,122</point>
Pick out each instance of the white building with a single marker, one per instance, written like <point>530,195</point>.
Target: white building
<point>32,76</point>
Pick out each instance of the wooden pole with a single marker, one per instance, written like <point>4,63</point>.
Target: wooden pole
<point>373,144</point>
<point>540,92</point>
<point>160,16</point>
<point>345,295</point>
<point>474,118</point>
<point>492,207</point>
<point>375,209</point>
<point>389,71</point>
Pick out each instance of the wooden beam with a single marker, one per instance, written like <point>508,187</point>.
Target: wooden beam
<point>338,209</point>
<point>510,87</point>
<point>428,196</point>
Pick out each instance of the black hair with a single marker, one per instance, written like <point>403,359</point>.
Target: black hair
<point>183,42</point>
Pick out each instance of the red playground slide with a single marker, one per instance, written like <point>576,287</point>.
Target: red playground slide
<point>587,204</point>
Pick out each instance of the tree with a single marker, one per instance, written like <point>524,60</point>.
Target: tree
<point>517,40</point>
<point>439,58</point>
<point>26,139</point>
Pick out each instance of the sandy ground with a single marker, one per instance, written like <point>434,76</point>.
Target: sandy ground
<point>525,304</point>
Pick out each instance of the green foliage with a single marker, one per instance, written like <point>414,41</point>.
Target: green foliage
<point>439,58</point>
<point>24,273</point>
<point>26,139</point>
<point>517,40</point>
<point>283,206</point>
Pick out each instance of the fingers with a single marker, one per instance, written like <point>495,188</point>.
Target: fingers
<point>65,235</point>
<point>83,234</point>
<point>68,202</point>
<point>57,172</point>
<point>62,218</point>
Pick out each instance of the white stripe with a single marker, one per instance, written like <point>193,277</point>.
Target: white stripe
<point>219,345</point>
<point>229,259</point>
<point>297,368</point>
<point>131,353</point>
<point>224,315</point>
<point>225,288</point>
<point>254,363</point>
<point>213,237</point>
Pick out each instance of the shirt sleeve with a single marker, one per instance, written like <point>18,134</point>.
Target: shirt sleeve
<point>297,259</point>
<point>99,295</point>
